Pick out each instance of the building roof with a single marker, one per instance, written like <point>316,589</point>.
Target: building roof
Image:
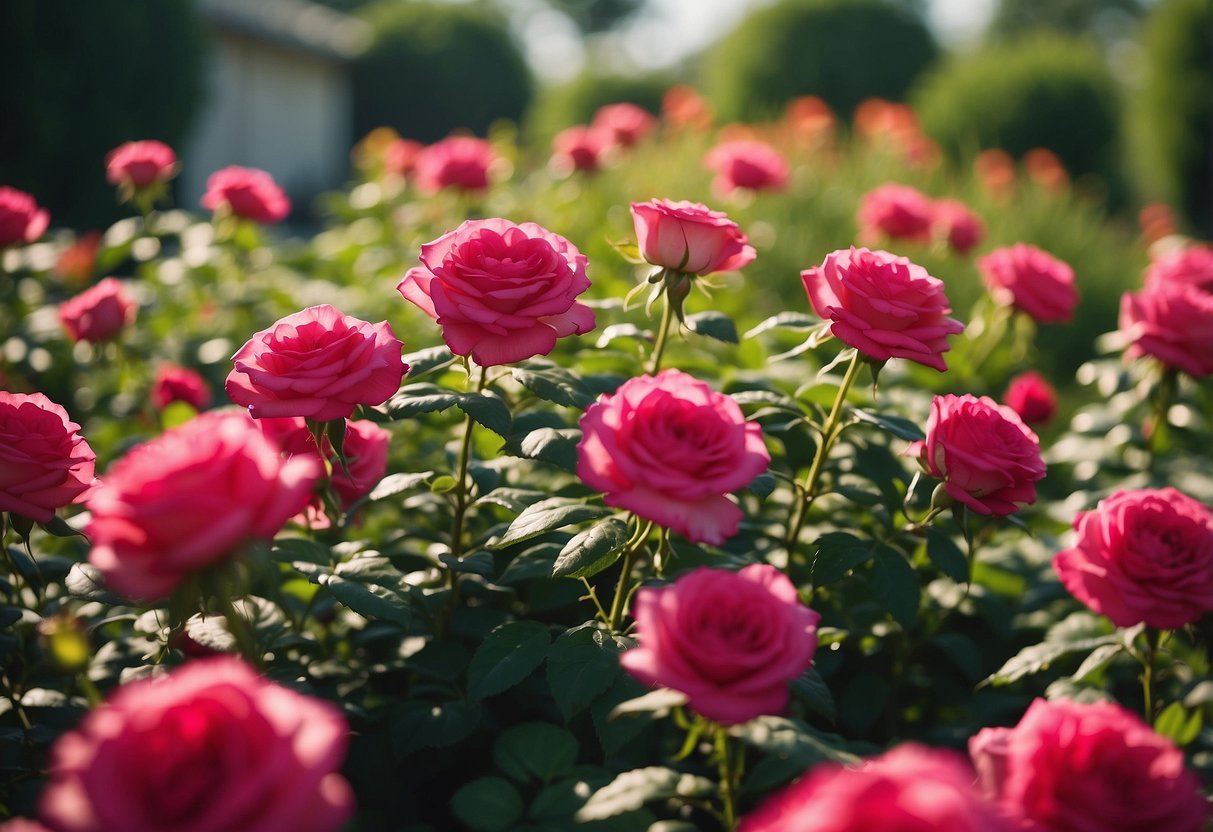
<point>294,24</point>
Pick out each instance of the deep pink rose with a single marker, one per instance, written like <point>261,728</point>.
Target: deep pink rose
<point>365,449</point>
<point>951,220</point>
<point>1031,280</point>
<point>987,457</point>
<point>1143,556</point>
<point>1192,266</point>
<point>749,165</point>
<point>897,212</point>
<point>190,498</point>
<point>179,384</point>
<point>140,164</point>
<point>580,148</point>
<point>316,363</point>
<point>911,788</point>
<point>209,747</point>
<point>501,292</point>
<point>669,448</point>
<point>98,314</point>
<point>883,305</point>
<point>45,463</point>
<point>689,237</point>
<point>625,123</point>
<point>1072,767</point>
<point>21,220</point>
<point>1032,397</point>
<point>460,162</point>
<point>1173,322</point>
<point>246,192</point>
<point>401,156</point>
<point>731,641</point>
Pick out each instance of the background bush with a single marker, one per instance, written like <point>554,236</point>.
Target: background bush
<point>576,101</point>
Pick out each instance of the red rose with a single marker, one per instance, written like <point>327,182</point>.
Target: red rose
<point>1172,321</point>
<point>1031,280</point>
<point>21,220</point>
<point>140,164</point>
<point>459,162</point>
<point>898,212</point>
<point>45,463</point>
<point>98,314</point>
<point>179,384</point>
<point>951,220</point>
<point>1032,397</point>
<point>246,192</point>
<point>748,165</point>
<point>580,148</point>
<point>689,237</point>
<point>625,123</point>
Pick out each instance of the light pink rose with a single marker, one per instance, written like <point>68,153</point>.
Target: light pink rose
<point>987,457</point>
<point>883,305</point>
<point>953,221</point>
<point>179,384</point>
<point>190,498</point>
<point>316,363</point>
<point>140,164</point>
<point>689,237</point>
<point>21,220</point>
<point>501,292</point>
<point>625,123</point>
<point>1192,266</point>
<point>1031,396</point>
<point>365,449</point>
<point>669,448</point>
<point>209,747</point>
<point>45,463</point>
<point>1071,767</point>
<point>1031,280</point>
<point>746,164</point>
<point>1142,556</point>
<point>731,641</point>
<point>895,211</point>
<point>580,148</point>
<point>246,192</point>
<point>1173,322</point>
<point>459,162</point>
<point>99,313</point>
<point>911,788</point>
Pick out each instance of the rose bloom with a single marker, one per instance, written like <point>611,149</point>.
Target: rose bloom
<point>898,212</point>
<point>190,498</point>
<point>625,123</point>
<point>401,156</point>
<point>21,220</point>
<point>140,164</point>
<point>683,107</point>
<point>45,463</point>
<point>98,314</point>
<point>1032,397</point>
<point>501,292</point>
<point>883,305</point>
<point>1031,280</point>
<point>911,788</point>
<point>1073,767</point>
<point>1142,556</point>
<point>987,457</point>
<point>689,237</point>
<point>460,162</point>
<point>748,165</point>
<point>669,448</point>
<point>316,363</point>
<point>210,747</point>
<point>179,384</point>
<point>22,825</point>
<point>1192,266</point>
<point>1173,322</point>
<point>580,148</point>
<point>365,448</point>
<point>246,192</point>
<point>731,641</point>
<point>954,222</point>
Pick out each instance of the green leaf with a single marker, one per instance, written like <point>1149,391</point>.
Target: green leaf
<point>506,657</point>
<point>762,485</point>
<point>373,588</point>
<point>487,410</point>
<point>896,425</point>
<point>86,583</point>
<point>593,550</point>
<point>629,251</point>
<point>789,748</point>
<point>535,751</point>
<point>555,446</point>
<point>58,527</point>
<point>556,385</point>
<point>1098,659</point>
<point>394,484</point>
<point>413,399</point>
<point>295,549</point>
<point>1037,657</point>
<point>947,555</point>
<point>530,564</point>
<point>632,789</point>
<point>895,585</point>
<point>835,554</point>
<point>480,563</point>
<point>661,699</point>
<point>615,331</point>
<point>582,663</point>
<point>713,324</point>
<point>785,320</point>
<point>546,515</point>
<point>488,804</point>
<point>1179,725</point>
<point>811,689</point>
<point>427,360</point>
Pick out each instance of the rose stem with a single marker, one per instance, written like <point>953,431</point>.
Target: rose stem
<point>622,589</point>
<point>663,332</point>
<point>728,777</point>
<point>461,489</point>
<point>1147,673</point>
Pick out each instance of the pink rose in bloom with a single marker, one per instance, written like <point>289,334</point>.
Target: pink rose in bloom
<point>689,237</point>
<point>625,123</point>
<point>954,222</point>
<point>189,499</point>
<point>1072,767</point>
<point>898,212</point>
<point>209,747</point>
<point>179,384</point>
<point>22,825</point>
<point>140,164</point>
<point>1173,322</point>
<point>1032,397</point>
<point>987,457</point>
<point>246,192</point>
<point>580,148</point>
<point>317,363</point>
<point>1142,556</point>
<point>731,641</point>
<point>21,220</point>
<point>750,165</point>
<point>460,162</point>
<point>401,156</point>
<point>365,448</point>
<point>669,448</point>
<point>1192,266</point>
<point>45,463</point>
<point>1031,280</point>
<point>98,314</point>
<point>883,305</point>
<point>501,292</point>
<point>911,788</point>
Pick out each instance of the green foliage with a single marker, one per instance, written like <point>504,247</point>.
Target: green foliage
<point>1075,17</point>
<point>575,102</point>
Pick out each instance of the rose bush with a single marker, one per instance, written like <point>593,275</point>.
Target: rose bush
<point>897,212</point>
<point>100,313</point>
<point>580,148</point>
<point>625,123</point>
<point>689,237</point>
<point>47,464</point>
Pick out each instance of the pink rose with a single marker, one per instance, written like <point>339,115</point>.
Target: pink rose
<point>401,156</point>
<point>883,305</point>
<point>179,384</point>
<point>190,498</point>
<point>246,192</point>
<point>21,220</point>
<point>954,222</point>
<point>45,463</point>
<point>316,363</point>
<point>987,457</point>
<point>1032,281</point>
<point>1032,397</point>
<point>1072,767</point>
<point>459,162</point>
<point>750,165</point>
<point>140,164</point>
<point>98,314</point>
<point>1142,556</point>
<point>731,641</point>
<point>625,123</point>
<point>1192,266</point>
<point>898,212</point>
<point>911,788</point>
<point>689,237</point>
<point>22,825</point>
<point>580,148</point>
<point>501,292</point>
<point>1173,322</point>
<point>669,448</point>
<point>209,747</point>
<point>365,449</point>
